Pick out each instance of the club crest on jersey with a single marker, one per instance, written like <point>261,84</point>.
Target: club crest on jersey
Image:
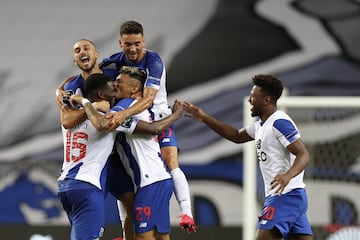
<point>127,123</point>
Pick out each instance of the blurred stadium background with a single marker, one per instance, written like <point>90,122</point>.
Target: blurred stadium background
<point>211,48</point>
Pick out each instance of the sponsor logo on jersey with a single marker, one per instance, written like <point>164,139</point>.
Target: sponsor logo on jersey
<point>263,222</point>
<point>143,225</point>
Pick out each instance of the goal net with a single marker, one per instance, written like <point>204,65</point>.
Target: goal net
<point>330,128</point>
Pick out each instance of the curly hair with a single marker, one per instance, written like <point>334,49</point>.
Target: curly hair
<point>269,85</point>
<point>94,83</point>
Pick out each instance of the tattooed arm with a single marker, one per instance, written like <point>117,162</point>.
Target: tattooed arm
<point>96,118</point>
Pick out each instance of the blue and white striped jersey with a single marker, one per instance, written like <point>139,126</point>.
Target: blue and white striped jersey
<point>140,153</point>
<point>271,139</point>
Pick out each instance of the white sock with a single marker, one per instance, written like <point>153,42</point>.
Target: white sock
<point>122,215</point>
<point>182,191</point>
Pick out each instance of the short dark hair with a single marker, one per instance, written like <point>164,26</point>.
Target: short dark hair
<point>131,27</point>
<point>134,72</point>
<point>86,40</point>
<point>94,83</point>
<point>269,85</point>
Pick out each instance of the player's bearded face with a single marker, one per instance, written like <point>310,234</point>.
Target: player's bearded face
<point>254,99</point>
<point>132,45</point>
<point>85,55</point>
<point>255,112</point>
<point>110,93</point>
<point>86,63</point>
<point>123,86</point>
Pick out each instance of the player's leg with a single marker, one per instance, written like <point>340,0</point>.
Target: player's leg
<point>123,216</point>
<point>162,236</point>
<point>169,152</point>
<point>126,211</point>
<point>152,211</point>
<point>87,212</point>
<point>284,216</point>
<point>121,187</point>
<point>181,187</point>
<point>265,234</point>
<point>300,237</point>
<point>150,235</point>
<point>301,228</point>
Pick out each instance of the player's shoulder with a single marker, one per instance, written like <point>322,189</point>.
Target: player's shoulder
<point>111,72</point>
<point>152,55</point>
<point>282,120</point>
<point>113,59</point>
<point>75,82</point>
<point>123,103</point>
<point>280,115</point>
<point>116,55</point>
<point>153,62</point>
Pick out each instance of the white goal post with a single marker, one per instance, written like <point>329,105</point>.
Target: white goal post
<point>250,207</point>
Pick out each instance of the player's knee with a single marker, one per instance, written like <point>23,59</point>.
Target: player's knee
<point>172,164</point>
<point>170,156</point>
<point>162,236</point>
<point>264,234</point>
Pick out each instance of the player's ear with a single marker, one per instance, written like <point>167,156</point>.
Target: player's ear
<point>135,87</point>
<point>267,100</point>
<point>120,42</point>
<point>101,95</point>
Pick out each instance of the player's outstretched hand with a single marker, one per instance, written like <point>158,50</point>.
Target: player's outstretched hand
<point>75,100</point>
<point>177,108</point>
<point>59,97</point>
<point>60,92</point>
<point>193,111</point>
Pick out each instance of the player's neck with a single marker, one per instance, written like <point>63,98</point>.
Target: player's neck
<point>143,52</point>
<point>266,114</point>
<point>86,74</point>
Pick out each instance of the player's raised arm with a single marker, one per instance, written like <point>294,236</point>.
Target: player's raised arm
<point>159,126</point>
<point>96,118</point>
<point>229,132</point>
<point>145,102</point>
<point>60,92</point>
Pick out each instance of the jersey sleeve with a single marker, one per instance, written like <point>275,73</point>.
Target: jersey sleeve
<point>251,128</point>
<point>76,85</point>
<point>70,86</point>
<point>129,125</point>
<point>285,131</point>
<point>155,70</point>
